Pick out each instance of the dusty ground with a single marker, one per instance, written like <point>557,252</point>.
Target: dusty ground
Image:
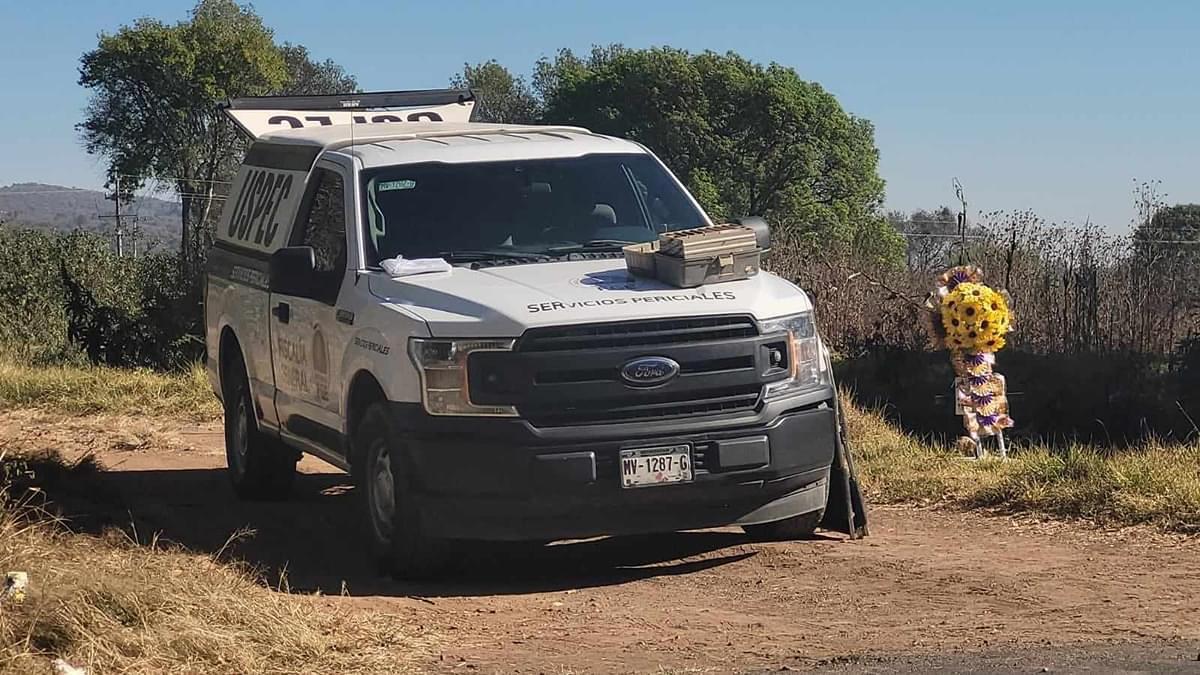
<point>929,590</point>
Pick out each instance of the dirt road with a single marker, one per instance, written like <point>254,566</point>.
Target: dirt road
<point>929,590</point>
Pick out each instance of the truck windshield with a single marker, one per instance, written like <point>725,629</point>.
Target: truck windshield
<point>537,207</point>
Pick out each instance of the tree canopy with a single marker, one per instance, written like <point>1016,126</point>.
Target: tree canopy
<point>155,89</point>
<point>932,240</point>
<point>1169,242</point>
<point>1180,222</point>
<point>307,77</point>
<point>746,138</point>
<point>502,96</point>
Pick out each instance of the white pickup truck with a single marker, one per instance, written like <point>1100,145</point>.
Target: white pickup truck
<point>441,308</point>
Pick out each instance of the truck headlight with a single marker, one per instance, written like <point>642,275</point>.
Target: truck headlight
<point>442,365</point>
<point>807,367</point>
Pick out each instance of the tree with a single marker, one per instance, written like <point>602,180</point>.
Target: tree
<point>1166,243</point>
<point>1166,246</point>
<point>747,139</point>
<point>156,87</point>
<point>1178,223</point>
<point>932,237</point>
<point>501,96</point>
<point>306,76</point>
<point>550,74</point>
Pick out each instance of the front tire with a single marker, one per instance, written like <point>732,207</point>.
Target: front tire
<point>393,522</point>
<point>788,529</point>
<point>260,468</point>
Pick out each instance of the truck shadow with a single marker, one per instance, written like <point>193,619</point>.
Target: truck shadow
<point>312,543</point>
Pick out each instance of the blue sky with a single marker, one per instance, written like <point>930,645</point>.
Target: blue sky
<point>1055,107</point>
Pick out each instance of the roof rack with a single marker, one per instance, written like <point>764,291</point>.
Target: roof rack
<point>374,100</point>
<point>257,115</point>
<point>458,130</point>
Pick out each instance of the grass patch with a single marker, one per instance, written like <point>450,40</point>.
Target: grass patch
<point>84,390</point>
<point>1153,484</point>
<point>112,605</point>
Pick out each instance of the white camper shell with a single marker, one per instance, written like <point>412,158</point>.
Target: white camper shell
<point>521,385</point>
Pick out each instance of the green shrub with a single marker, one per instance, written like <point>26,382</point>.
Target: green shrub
<point>69,298</point>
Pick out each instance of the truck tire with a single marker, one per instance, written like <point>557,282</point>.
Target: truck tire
<point>392,522</point>
<point>260,468</point>
<point>788,529</point>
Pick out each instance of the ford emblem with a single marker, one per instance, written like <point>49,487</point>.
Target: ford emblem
<point>649,371</point>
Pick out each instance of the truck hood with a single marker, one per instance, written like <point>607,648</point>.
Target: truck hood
<point>504,301</point>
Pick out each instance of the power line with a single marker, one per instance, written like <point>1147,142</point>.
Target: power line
<point>951,223</point>
<point>175,178</point>
<point>977,237</point>
<point>934,235</point>
<point>4,193</point>
<point>1188,242</point>
<point>202,195</point>
<point>196,195</point>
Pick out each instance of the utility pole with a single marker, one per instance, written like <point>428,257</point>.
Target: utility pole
<point>119,218</point>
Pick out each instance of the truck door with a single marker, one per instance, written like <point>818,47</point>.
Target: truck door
<point>308,340</point>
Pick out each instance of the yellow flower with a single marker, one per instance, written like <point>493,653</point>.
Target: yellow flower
<point>975,318</point>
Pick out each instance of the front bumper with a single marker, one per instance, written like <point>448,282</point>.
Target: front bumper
<point>503,479</point>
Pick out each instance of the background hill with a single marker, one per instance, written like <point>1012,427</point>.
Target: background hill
<point>59,208</point>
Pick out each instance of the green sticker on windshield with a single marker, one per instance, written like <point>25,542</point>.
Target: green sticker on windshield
<point>389,185</point>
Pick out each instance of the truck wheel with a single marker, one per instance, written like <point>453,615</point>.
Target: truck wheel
<point>393,524</point>
<point>788,529</point>
<point>260,468</point>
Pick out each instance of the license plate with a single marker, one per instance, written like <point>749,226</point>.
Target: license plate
<point>642,467</point>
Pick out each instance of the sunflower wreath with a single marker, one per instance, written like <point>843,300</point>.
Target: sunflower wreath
<point>971,320</point>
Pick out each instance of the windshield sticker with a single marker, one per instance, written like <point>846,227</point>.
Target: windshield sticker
<point>389,185</point>
<point>635,300</point>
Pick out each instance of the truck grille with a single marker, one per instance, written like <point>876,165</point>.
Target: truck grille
<point>684,404</point>
<point>566,376</point>
<point>637,334</point>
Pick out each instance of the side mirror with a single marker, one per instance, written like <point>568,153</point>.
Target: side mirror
<point>762,231</point>
<point>291,270</point>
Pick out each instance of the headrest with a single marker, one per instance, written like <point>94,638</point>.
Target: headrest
<point>605,212</point>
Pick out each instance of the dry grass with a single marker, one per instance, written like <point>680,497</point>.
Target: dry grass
<point>1155,484</point>
<point>115,606</point>
<point>112,605</point>
<point>83,390</point>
